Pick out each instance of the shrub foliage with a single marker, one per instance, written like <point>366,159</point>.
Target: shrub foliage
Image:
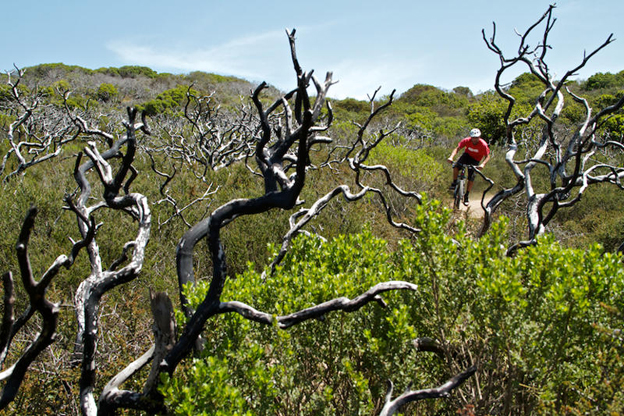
<point>544,328</point>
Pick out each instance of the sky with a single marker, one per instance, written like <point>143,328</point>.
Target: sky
<point>367,45</point>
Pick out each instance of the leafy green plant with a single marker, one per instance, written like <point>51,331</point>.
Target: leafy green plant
<point>107,92</point>
<point>167,100</point>
<point>534,324</point>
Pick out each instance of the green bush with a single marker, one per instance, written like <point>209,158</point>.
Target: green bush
<point>133,71</point>
<point>167,100</point>
<point>601,81</point>
<point>537,325</point>
<point>487,114</point>
<point>107,92</point>
<point>5,93</point>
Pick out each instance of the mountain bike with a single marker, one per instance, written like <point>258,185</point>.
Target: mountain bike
<point>460,184</point>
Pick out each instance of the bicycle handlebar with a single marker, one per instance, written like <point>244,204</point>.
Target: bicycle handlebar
<point>461,165</point>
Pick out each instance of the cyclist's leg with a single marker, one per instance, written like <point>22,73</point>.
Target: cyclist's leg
<point>471,176</point>
<point>466,159</point>
<point>469,184</point>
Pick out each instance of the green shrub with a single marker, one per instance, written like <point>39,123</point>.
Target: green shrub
<point>107,92</point>
<point>167,100</point>
<point>536,324</point>
<point>5,93</point>
<point>133,71</point>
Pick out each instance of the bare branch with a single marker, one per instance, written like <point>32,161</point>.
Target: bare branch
<point>392,406</point>
<point>567,160</point>
<point>317,311</point>
<point>47,310</point>
<point>38,134</point>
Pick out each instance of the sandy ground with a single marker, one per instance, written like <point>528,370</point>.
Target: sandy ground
<point>474,206</point>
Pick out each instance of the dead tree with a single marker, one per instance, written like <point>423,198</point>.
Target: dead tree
<point>207,136</point>
<point>282,155</point>
<point>38,304</point>
<point>287,131</point>
<point>281,152</point>
<point>39,131</point>
<point>101,280</point>
<point>355,156</point>
<point>568,156</point>
<point>205,139</point>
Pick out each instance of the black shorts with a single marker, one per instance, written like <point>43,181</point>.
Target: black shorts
<point>466,159</point>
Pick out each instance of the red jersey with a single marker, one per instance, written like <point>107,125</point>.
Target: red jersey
<point>476,151</point>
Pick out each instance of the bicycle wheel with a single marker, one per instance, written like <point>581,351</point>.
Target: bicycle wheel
<point>462,191</point>
<point>457,195</point>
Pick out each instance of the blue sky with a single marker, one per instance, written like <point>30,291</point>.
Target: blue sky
<point>366,44</point>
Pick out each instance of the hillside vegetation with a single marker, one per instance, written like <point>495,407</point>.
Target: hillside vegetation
<point>431,122</point>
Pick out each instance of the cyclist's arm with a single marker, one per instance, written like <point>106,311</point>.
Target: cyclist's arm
<point>486,160</point>
<point>450,158</point>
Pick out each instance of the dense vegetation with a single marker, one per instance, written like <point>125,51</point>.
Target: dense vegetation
<point>544,326</point>
<point>540,324</point>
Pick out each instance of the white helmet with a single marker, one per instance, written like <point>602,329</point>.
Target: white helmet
<point>475,133</point>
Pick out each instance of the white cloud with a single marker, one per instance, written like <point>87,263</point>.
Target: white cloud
<point>246,57</point>
<point>360,77</point>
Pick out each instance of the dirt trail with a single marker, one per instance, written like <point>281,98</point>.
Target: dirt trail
<point>474,206</point>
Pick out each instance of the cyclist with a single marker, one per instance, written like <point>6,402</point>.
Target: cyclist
<point>476,153</point>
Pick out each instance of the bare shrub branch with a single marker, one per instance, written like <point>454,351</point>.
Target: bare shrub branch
<point>392,406</point>
<point>565,155</point>
<point>47,310</point>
